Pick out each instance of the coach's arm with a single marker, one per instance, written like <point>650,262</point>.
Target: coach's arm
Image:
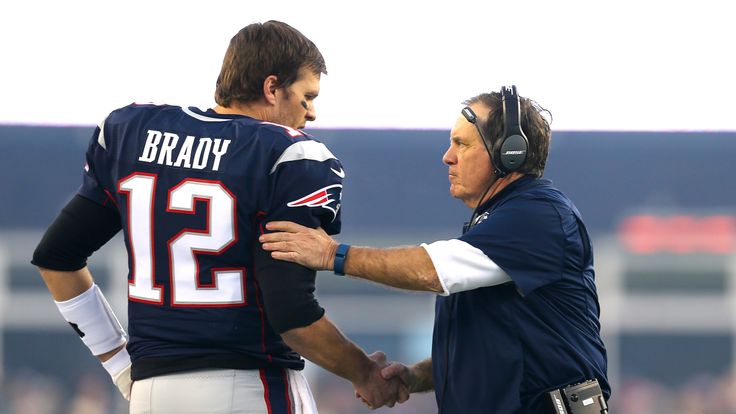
<point>443,267</point>
<point>408,268</point>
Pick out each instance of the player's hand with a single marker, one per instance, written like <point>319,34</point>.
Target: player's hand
<point>124,383</point>
<point>292,242</point>
<point>376,391</point>
<point>118,366</point>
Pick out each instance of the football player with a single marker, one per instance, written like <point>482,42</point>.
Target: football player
<point>215,324</point>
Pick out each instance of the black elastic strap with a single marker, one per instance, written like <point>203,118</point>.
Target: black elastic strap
<point>81,228</point>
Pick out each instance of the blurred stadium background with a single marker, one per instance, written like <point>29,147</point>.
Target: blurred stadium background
<point>658,205</point>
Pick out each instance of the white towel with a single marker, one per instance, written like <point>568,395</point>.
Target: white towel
<point>303,400</point>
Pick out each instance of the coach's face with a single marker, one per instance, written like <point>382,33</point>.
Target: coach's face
<point>295,103</point>
<point>470,168</point>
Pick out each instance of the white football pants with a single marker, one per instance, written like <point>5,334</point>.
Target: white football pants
<point>224,391</point>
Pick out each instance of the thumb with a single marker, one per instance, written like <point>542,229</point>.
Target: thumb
<point>378,356</point>
<point>392,371</point>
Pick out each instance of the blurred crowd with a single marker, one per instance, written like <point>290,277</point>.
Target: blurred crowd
<point>33,393</point>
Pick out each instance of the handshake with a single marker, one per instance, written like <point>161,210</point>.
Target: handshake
<point>384,383</point>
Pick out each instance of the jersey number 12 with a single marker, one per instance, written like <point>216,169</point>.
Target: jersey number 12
<point>227,287</point>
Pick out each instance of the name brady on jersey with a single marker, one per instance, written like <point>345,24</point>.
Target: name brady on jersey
<point>163,148</point>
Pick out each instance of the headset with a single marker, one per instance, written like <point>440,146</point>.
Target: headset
<point>508,153</point>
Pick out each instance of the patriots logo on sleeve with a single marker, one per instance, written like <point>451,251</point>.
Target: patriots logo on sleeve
<point>326,197</point>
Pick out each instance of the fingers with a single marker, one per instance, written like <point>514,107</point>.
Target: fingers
<point>403,394</point>
<point>286,256</point>
<point>392,370</point>
<point>275,237</point>
<point>282,246</point>
<point>286,226</point>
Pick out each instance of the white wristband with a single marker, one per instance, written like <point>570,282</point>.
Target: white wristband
<point>119,367</point>
<point>91,316</point>
<point>117,363</point>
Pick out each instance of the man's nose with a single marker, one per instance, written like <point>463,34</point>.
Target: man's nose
<point>311,111</point>
<point>449,156</point>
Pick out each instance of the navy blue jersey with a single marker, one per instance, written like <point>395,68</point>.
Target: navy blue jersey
<point>193,190</point>
<point>500,349</point>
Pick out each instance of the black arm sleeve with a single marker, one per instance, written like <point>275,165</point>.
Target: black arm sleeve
<point>288,292</point>
<point>81,228</point>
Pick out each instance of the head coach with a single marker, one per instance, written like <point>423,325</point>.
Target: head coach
<point>517,316</point>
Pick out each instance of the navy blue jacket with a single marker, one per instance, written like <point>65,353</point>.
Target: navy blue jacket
<point>500,349</point>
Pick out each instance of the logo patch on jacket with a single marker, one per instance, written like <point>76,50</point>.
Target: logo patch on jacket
<point>326,197</point>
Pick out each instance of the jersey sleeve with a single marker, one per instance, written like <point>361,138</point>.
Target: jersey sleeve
<point>526,240</point>
<point>306,186</point>
<point>96,159</point>
<point>462,267</point>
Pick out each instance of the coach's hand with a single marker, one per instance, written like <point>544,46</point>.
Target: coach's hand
<point>376,391</point>
<point>416,378</point>
<point>292,242</point>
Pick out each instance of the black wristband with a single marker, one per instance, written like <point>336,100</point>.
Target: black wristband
<point>340,256</point>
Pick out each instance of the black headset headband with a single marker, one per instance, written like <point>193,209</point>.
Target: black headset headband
<point>510,152</point>
<point>511,110</point>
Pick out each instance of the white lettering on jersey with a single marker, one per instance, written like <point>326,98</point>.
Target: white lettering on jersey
<point>219,149</point>
<point>167,146</point>
<point>185,153</point>
<point>198,153</point>
<point>149,150</point>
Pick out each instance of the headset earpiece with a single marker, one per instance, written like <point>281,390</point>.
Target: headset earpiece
<point>509,153</point>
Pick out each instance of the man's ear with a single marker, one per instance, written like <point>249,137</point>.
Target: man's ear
<point>270,85</point>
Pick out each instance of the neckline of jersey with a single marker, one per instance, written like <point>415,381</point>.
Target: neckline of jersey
<point>212,114</point>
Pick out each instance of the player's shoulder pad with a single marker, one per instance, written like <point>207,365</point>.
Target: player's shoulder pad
<point>135,112</point>
<point>291,144</point>
<point>128,112</point>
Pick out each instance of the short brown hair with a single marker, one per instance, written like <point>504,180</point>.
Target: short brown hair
<point>533,122</point>
<point>260,50</point>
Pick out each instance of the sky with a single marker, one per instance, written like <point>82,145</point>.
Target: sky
<point>626,65</point>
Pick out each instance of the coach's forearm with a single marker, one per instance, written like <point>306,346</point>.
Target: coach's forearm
<point>421,375</point>
<point>402,267</point>
<point>324,344</point>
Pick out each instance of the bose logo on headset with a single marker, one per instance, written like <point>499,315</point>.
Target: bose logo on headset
<point>509,152</point>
